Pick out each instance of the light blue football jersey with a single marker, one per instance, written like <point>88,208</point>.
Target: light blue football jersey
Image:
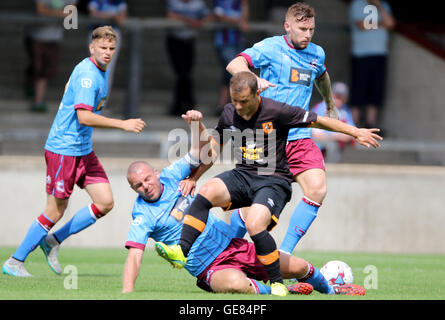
<point>292,71</point>
<point>162,221</point>
<point>87,88</point>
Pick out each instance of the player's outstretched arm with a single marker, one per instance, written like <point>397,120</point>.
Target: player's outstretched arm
<point>131,269</point>
<point>365,137</point>
<point>323,85</point>
<point>88,118</point>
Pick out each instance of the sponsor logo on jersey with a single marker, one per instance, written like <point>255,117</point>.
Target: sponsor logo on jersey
<point>300,76</point>
<point>251,151</point>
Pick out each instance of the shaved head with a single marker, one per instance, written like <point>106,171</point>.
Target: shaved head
<point>144,179</point>
<point>137,166</point>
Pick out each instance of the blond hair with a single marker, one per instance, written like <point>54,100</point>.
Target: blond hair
<point>300,11</point>
<point>105,32</point>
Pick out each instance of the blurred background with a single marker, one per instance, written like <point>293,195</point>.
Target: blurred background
<point>372,183</point>
<point>144,79</point>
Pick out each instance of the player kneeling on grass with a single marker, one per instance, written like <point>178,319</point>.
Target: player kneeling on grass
<point>220,262</point>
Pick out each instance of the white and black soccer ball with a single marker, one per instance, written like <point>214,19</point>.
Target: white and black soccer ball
<point>337,273</point>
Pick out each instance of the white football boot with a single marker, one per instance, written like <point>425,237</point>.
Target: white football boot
<point>50,248</point>
<point>15,268</point>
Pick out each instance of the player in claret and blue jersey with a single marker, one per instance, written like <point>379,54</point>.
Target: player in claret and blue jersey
<point>289,66</point>
<point>70,158</point>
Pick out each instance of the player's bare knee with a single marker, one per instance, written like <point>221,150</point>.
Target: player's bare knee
<point>237,284</point>
<point>316,192</point>
<point>105,207</point>
<point>108,207</point>
<point>254,226</point>
<point>206,191</point>
<point>299,267</point>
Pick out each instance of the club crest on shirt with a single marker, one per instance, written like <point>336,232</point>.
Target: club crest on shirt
<point>86,83</point>
<point>300,76</point>
<point>313,63</point>
<point>267,127</point>
<point>137,221</point>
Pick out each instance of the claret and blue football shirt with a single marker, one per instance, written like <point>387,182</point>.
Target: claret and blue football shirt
<point>87,88</point>
<point>293,72</point>
<point>162,221</point>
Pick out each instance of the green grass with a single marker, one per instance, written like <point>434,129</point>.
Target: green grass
<point>99,271</point>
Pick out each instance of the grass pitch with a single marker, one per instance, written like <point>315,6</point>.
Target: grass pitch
<point>96,274</point>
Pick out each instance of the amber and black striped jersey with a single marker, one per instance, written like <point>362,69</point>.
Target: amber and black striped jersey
<point>260,143</point>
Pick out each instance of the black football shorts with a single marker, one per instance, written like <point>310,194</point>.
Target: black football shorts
<point>246,188</point>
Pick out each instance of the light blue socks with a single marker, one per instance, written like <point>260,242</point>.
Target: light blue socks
<point>300,221</point>
<point>84,218</point>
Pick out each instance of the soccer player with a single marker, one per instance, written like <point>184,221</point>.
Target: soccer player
<point>70,158</point>
<point>261,180</point>
<point>220,262</point>
<point>289,66</point>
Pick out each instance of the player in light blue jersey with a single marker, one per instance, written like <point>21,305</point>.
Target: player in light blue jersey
<point>289,66</point>
<point>158,214</point>
<point>70,158</point>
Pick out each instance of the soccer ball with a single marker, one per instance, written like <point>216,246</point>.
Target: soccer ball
<point>337,273</point>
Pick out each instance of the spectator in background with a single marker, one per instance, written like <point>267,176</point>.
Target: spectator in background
<point>229,41</point>
<point>323,138</point>
<point>181,48</point>
<point>115,12</point>
<point>46,38</point>
<point>368,64</point>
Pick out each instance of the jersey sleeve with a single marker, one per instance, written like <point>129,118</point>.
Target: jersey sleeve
<point>296,117</point>
<point>260,54</point>
<point>320,65</point>
<point>220,134</point>
<point>181,168</point>
<point>140,230</point>
<point>85,89</point>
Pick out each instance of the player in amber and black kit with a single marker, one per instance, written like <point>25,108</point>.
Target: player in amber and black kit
<point>260,142</point>
<point>261,179</point>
